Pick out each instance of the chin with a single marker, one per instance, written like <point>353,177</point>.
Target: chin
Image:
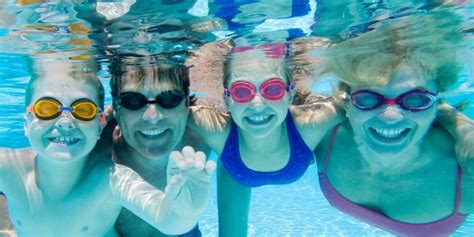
<point>386,150</point>
<point>61,157</point>
<point>155,153</point>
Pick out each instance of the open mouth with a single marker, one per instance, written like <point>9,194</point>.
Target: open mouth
<point>152,133</point>
<point>258,119</point>
<point>64,140</point>
<point>392,135</point>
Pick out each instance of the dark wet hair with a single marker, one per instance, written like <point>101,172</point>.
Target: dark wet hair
<point>133,68</point>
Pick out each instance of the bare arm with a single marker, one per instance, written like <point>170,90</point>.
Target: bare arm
<point>208,117</point>
<point>317,115</point>
<point>211,122</point>
<point>5,224</point>
<point>176,210</point>
<point>461,128</point>
<point>233,212</point>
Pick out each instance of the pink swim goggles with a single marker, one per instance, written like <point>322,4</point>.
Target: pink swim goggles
<point>244,91</point>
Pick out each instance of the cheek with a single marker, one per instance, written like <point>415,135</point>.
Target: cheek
<point>236,109</point>
<point>126,118</point>
<point>91,129</point>
<point>358,117</point>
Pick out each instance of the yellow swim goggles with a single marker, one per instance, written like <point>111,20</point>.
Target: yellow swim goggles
<point>47,108</point>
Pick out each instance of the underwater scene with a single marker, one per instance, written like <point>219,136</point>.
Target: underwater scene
<point>236,118</point>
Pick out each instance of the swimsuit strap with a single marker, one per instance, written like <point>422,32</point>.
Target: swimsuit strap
<point>458,189</point>
<point>328,151</point>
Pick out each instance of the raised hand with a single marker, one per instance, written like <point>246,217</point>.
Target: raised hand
<point>189,179</point>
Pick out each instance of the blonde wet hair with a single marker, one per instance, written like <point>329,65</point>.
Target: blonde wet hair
<point>252,60</point>
<point>431,42</point>
<point>83,70</point>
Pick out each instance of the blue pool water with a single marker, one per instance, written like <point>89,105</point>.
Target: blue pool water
<point>298,209</point>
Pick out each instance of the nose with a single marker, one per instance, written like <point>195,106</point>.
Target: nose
<point>257,101</point>
<point>391,114</point>
<point>65,123</point>
<point>152,113</point>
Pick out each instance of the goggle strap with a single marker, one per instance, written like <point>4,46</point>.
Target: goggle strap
<point>62,108</point>
<point>391,102</point>
<point>226,92</point>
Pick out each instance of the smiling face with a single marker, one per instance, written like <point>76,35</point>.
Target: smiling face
<point>390,129</point>
<point>259,116</point>
<point>152,131</point>
<point>63,138</point>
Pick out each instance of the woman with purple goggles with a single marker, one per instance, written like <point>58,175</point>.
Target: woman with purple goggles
<point>388,165</point>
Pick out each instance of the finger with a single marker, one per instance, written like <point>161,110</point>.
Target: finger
<point>199,160</point>
<point>174,185</point>
<point>210,167</point>
<point>178,159</point>
<point>188,151</point>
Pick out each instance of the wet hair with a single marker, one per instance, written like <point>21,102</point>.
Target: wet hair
<point>430,42</point>
<point>84,71</point>
<point>136,69</point>
<point>250,59</point>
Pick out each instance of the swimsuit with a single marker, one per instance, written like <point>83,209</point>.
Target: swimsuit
<point>300,158</point>
<point>442,227</point>
<point>195,232</point>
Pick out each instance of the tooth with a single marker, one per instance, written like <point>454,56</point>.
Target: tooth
<point>152,132</point>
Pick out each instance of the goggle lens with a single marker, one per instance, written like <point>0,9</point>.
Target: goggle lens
<point>273,89</point>
<point>84,110</point>
<point>242,92</point>
<point>170,99</point>
<point>136,101</point>
<point>365,101</point>
<point>133,101</point>
<point>47,109</point>
<point>417,101</point>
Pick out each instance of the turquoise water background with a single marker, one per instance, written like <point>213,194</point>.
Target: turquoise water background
<point>298,209</point>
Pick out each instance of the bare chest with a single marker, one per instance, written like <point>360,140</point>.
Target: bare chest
<point>88,210</point>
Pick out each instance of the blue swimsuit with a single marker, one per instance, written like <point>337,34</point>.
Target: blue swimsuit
<point>300,158</point>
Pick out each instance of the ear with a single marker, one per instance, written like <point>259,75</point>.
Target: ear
<point>103,121</point>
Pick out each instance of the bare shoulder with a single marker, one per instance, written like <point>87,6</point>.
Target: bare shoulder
<point>316,116</point>
<point>10,157</point>
<point>439,138</point>
<point>14,162</point>
<point>208,116</point>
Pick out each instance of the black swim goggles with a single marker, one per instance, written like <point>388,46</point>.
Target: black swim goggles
<point>135,101</point>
